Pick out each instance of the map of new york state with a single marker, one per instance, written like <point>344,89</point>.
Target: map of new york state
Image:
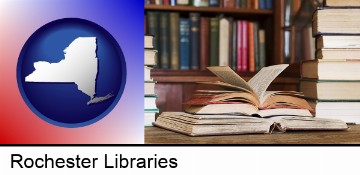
<point>79,66</point>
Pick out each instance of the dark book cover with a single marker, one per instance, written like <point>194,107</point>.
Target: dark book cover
<point>233,57</point>
<point>214,3</point>
<point>174,40</point>
<point>164,49</point>
<point>262,4</point>
<point>194,40</point>
<point>204,42</point>
<point>184,40</point>
<point>214,41</point>
<point>269,4</point>
<point>153,29</point>
<point>262,48</point>
<point>243,3</point>
<point>256,46</point>
<point>239,47</point>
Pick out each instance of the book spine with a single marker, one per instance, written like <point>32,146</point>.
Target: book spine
<point>256,46</point>
<point>262,4</point>
<point>251,45</point>
<point>224,42</point>
<point>245,46</point>
<point>174,40</point>
<point>182,2</point>
<point>239,47</point>
<point>164,41</point>
<point>249,4</point>
<point>184,39</point>
<point>200,3</point>
<point>214,3</point>
<point>204,42</point>
<point>229,4</point>
<point>214,41</point>
<point>173,2</point>
<point>166,2</point>
<point>255,4</point>
<point>152,29</point>
<point>234,45</point>
<point>194,40</point>
<point>262,48</point>
<point>244,4</point>
<point>269,4</point>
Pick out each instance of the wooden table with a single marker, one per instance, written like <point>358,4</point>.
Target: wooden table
<point>155,135</point>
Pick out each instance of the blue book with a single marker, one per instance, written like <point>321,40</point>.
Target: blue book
<point>173,2</point>
<point>262,4</point>
<point>214,3</point>
<point>194,40</point>
<point>269,4</point>
<point>184,39</point>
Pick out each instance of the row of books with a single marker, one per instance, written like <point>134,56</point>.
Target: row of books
<point>332,82</point>
<point>250,4</point>
<point>197,42</point>
<point>150,108</point>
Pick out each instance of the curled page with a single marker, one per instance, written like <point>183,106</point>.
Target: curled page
<point>227,75</point>
<point>261,81</point>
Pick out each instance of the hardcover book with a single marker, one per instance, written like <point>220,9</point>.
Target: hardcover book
<point>336,21</point>
<point>331,69</point>
<point>203,125</point>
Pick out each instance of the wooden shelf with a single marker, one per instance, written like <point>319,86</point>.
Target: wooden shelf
<point>239,11</point>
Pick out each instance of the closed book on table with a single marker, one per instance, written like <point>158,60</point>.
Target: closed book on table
<point>342,3</point>
<point>204,42</point>
<point>338,42</point>
<point>338,54</point>
<point>184,49</point>
<point>174,40</point>
<point>150,57</point>
<point>336,21</point>
<point>339,90</point>
<point>330,70</point>
<point>194,41</point>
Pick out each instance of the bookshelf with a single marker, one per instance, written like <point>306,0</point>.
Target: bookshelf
<point>174,87</point>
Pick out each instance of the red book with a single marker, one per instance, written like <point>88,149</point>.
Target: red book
<point>204,42</point>
<point>166,2</point>
<point>245,46</point>
<point>229,3</point>
<point>239,47</point>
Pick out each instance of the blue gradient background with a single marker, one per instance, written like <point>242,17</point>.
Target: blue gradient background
<point>124,21</point>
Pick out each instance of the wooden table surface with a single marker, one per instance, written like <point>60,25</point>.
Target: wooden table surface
<point>155,135</point>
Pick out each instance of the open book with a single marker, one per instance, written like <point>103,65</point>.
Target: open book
<point>202,125</point>
<point>248,98</point>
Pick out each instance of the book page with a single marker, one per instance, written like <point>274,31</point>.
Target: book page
<point>261,81</point>
<point>227,75</point>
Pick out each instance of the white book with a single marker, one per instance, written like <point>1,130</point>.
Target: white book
<point>149,87</point>
<point>150,57</point>
<point>149,118</point>
<point>150,103</point>
<point>147,76</point>
<point>224,41</point>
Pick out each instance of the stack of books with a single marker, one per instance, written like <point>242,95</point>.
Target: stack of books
<point>245,107</point>
<point>149,84</point>
<point>332,81</point>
